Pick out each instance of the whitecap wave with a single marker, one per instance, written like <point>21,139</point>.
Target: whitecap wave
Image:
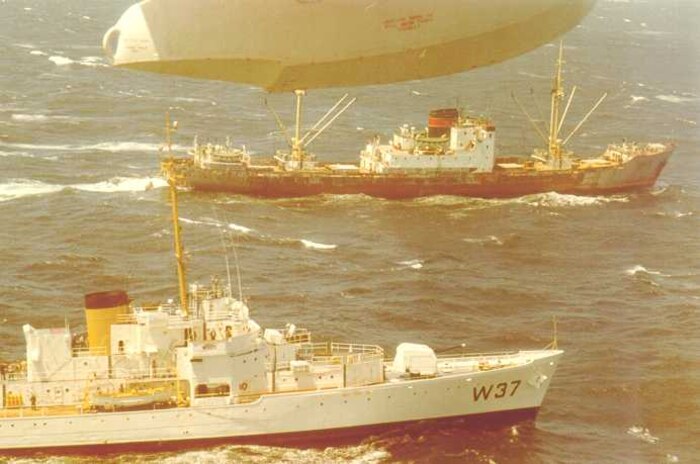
<point>675,99</point>
<point>29,117</point>
<point>643,434</point>
<point>412,264</point>
<point>89,61</point>
<point>466,202</point>
<point>19,188</point>
<point>93,61</point>
<point>689,122</point>
<point>558,200</point>
<point>240,228</point>
<point>123,146</point>
<point>38,53</point>
<point>212,223</point>
<point>114,147</point>
<point>491,239</point>
<point>675,214</point>
<point>123,184</point>
<point>638,269</point>
<point>638,98</point>
<point>19,154</point>
<point>317,246</point>
<point>364,453</point>
<point>201,223</point>
<point>40,118</point>
<point>60,60</point>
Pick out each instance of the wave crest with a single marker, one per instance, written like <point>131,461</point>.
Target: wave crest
<point>123,184</point>
<point>317,246</point>
<point>19,188</point>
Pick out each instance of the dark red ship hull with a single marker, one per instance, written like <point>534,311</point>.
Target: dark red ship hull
<point>640,172</point>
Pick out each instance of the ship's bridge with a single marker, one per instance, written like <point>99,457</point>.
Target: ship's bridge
<point>449,142</point>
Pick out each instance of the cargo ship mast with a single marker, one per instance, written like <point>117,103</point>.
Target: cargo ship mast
<point>299,142</point>
<point>555,156</point>
<point>554,145</point>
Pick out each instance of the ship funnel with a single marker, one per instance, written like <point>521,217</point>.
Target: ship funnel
<point>440,121</point>
<point>102,309</point>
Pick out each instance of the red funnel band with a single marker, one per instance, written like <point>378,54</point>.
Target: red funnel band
<point>102,300</point>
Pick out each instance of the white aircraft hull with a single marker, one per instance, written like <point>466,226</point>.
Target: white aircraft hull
<point>287,45</point>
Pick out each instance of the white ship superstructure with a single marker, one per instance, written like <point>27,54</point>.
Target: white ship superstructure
<point>451,142</point>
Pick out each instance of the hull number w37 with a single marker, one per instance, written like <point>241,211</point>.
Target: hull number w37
<point>496,391</point>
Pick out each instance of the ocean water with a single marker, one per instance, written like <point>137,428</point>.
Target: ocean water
<point>82,209</point>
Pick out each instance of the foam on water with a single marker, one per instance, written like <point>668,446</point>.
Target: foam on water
<point>411,264</point>
<point>19,188</point>
<point>200,223</point>
<point>30,118</point>
<point>212,223</point>
<point>675,99</point>
<point>89,61</point>
<point>114,147</point>
<point>643,434</point>
<point>641,270</point>
<point>360,454</point>
<point>20,154</point>
<point>240,228</point>
<point>123,184</point>
<point>93,61</point>
<point>674,214</point>
<point>491,239</point>
<point>561,200</point>
<point>60,60</point>
<point>317,246</point>
<point>548,199</point>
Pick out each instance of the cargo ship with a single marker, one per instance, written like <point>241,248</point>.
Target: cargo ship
<point>455,155</point>
<point>199,371</point>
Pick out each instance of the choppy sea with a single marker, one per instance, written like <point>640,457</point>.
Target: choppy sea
<point>82,209</point>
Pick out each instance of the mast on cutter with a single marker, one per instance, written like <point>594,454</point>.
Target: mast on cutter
<point>179,250</point>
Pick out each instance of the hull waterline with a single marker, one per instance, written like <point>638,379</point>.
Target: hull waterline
<point>312,439</point>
